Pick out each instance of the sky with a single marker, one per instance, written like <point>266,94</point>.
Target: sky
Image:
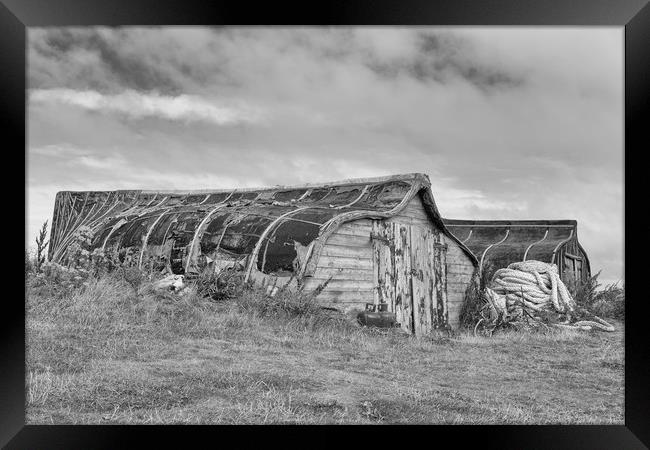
<point>508,122</point>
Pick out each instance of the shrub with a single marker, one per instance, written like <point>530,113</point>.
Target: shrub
<point>226,284</point>
<point>606,302</point>
<point>475,301</point>
<point>583,292</point>
<point>287,304</point>
<point>55,280</point>
<point>293,305</point>
<point>80,266</point>
<point>28,264</point>
<point>610,302</point>
<point>473,304</point>
<point>132,276</point>
<point>111,302</point>
<point>41,245</point>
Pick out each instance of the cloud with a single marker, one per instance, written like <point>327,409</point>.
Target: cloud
<point>519,123</point>
<point>446,57</point>
<point>56,151</point>
<point>139,105</point>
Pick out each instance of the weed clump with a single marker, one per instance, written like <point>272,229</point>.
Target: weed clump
<point>610,302</point>
<point>219,286</point>
<point>606,302</point>
<point>475,298</point>
<point>292,306</point>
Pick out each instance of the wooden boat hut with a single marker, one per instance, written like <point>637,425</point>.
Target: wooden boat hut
<point>497,243</point>
<point>377,240</point>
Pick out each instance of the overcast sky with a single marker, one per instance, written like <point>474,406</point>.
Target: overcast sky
<point>509,123</point>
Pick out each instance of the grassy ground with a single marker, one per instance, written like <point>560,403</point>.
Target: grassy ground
<point>112,353</point>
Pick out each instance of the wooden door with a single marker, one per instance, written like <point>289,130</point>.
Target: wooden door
<point>410,275</point>
<point>392,267</point>
<point>573,267</point>
<point>579,270</point>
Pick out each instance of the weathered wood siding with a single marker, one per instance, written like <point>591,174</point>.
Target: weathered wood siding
<point>460,273</point>
<point>347,257</point>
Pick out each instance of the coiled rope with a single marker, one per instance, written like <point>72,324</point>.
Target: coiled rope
<point>530,287</point>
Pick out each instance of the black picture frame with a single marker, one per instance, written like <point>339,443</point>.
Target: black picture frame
<point>634,15</point>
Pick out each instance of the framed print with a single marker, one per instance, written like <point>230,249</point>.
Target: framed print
<point>354,214</point>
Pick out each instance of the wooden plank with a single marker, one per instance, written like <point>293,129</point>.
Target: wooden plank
<point>354,230</point>
<point>376,260</point>
<point>355,227</point>
<point>421,323</point>
<point>346,251</point>
<point>460,273</point>
<point>344,262</point>
<point>359,222</point>
<point>414,213</point>
<point>429,281</point>
<point>459,278</point>
<point>324,273</point>
<point>454,313</point>
<point>444,283</point>
<point>349,240</point>
<point>415,205</point>
<point>571,255</point>
<point>384,264</point>
<point>440,283</point>
<point>458,289</point>
<point>468,271</point>
<point>341,285</point>
<point>335,289</point>
<point>347,296</point>
<point>403,296</point>
<point>425,223</point>
<point>353,234</point>
<point>457,258</point>
<point>460,263</point>
<point>388,267</point>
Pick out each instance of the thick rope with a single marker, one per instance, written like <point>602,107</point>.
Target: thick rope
<point>534,286</point>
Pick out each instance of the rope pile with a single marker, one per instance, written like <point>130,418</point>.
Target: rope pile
<point>530,288</point>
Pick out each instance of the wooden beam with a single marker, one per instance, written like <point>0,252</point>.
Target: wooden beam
<point>534,243</point>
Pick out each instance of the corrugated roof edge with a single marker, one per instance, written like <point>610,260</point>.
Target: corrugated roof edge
<point>349,181</point>
<point>541,223</point>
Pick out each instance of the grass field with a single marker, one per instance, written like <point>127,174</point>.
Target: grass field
<point>113,353</point>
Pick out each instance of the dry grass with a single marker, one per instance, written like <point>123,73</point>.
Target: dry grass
<point>109,353</point>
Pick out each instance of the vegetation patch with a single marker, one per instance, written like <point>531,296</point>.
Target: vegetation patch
<point>103,346</point>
